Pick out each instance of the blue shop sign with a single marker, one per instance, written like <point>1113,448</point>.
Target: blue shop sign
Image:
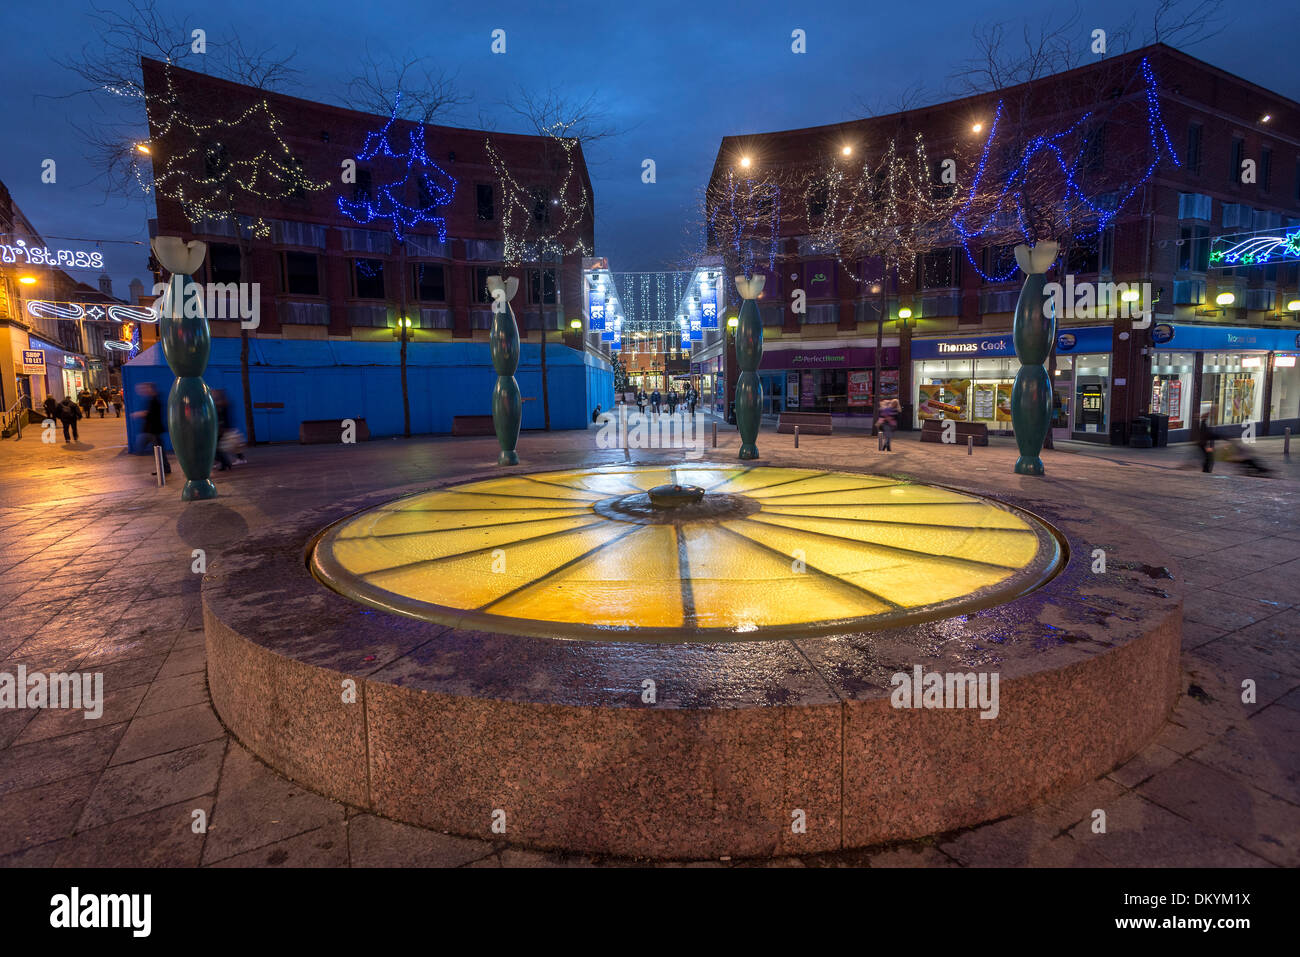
<point>1068,341</point>
<point>1224,338</point>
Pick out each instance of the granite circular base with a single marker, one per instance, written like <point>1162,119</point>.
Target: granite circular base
<point>696,749</point>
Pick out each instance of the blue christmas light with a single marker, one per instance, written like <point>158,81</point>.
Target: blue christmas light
<point>1096,216</point>
<point>386,205</point>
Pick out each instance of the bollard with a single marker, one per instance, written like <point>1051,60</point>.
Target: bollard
<point>158,464</point>
<point>970,445</point>
<point>1286,442</point>
<point>796,436</point>
<point>715,434</point>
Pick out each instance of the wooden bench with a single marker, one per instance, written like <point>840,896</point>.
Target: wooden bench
<point>932,431</point>
<point>329,431</point>
<point>810,423</point>
<point>472,425</point>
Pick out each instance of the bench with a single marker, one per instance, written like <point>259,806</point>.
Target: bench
<point>329,431</point>
<point>472,425</point>
<point>810,423</point>
<point>932,431</point>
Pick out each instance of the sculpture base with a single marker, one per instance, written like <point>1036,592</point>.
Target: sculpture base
<point>1029,466</point>
<point>198,489</point>
<point>508,457</point>
<point>749,451</point>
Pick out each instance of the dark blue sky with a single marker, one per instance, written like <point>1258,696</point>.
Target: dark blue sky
<point>676,76</point>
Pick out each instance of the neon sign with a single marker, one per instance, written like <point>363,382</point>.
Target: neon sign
<point>94,312</point>
<point>44,256</point>
<point>1255,250</point>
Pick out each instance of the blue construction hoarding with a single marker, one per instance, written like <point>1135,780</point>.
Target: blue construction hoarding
<point>293,381</point>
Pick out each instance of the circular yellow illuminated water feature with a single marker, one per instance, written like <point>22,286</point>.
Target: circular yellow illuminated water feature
<point>638,553</point>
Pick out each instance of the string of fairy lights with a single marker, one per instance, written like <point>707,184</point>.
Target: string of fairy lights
<point>212,194</point>
<point>533,235</point>
<point>438,186</point>
<point>1075,204</point>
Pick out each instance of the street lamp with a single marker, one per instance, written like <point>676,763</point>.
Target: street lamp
<point>27,280</point>
<point>400,331</point>
<point>1225,298</point>
<point>905,314</point>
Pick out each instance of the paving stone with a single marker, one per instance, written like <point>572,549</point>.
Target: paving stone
<point>164,837</point>
<point>31,765</point>
<point>145,785</point>
<point>256,806</point>
<point>43,814</point>
<point>1142,834</point>
<point>378,842</point>
<point>1229,807</point>
<point>323,847</point>
<point>167,694</point>
<point>167,731</point>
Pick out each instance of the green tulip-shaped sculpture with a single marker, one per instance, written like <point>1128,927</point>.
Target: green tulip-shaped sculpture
<point>1033,334</point>
<point>186,341</point>
<point>503,340</point>
<point>749,350</point>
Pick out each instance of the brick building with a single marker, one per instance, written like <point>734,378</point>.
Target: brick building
<point>1235,360</point>
<point>322,274</point>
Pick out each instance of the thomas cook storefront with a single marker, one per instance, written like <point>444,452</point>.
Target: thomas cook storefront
<point>969,378</point>
<point>1236,376</point>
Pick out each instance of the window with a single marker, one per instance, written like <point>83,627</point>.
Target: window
<point>429,282</point>
<point>1194,248</point>
<point>368,278</point>
<point>300,274</point>
<point>818,200</point>
<point>1266,170</point>
<point>484,200</point>
<point>216,161</point>
<point>541,287</point>
<point>938,188</point>
<point>541,205</point>
<point>1000,263</point>
<point>939,269</point>
<point>1235,156</point>
<point>297,179</point>
<point>1106,250</point>
<point>223,262</point>
<point>1194,131</point>
<point>361,189</point>
<point>1094,149</point>
<point>1084,255</point>
<point>481,273</point>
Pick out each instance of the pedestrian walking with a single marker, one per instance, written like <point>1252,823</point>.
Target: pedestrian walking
<point>51,408</point>
<point>117,402</point>
<point>672,402</point>
<point>152,428</point>
<point>691,398</point>
<point>889,412</point>
<point>84,399</point>
<point>1205,442</point>
<point>68,414</point>
<point>101,405</point>
<point>640,402</point>
<point>655,400</point>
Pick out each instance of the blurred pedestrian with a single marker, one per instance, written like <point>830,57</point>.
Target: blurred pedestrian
<point>889,412</point>
<point>152,428</point>
<point>1204,438</point>
<point>117,402</point>
<point>101,404</point>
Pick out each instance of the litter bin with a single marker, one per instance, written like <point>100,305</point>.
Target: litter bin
<point>1140,437</point>
<point>1159,430</point>
<point>1119,433</point>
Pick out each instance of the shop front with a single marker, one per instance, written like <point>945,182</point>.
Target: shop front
<point>1233,376</point>
<point>707,379</point>
<point>831,379</point>
<point>969,378</point>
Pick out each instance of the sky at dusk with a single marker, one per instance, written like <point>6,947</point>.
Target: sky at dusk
<point>675,78</point>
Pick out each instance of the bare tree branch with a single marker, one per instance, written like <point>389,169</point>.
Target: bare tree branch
<point>427,92</point>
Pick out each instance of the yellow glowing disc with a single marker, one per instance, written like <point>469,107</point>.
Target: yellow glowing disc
<point>766,553</point>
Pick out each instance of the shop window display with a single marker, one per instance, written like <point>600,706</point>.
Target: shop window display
<point>1232,387</point>
<point>1171,387</point>
<point>1285,402</point>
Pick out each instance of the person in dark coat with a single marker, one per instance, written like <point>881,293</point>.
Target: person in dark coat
<point>68,414</point>
<point>1205,442</point>
<point>153,427</point>
<point>51,408</point>
<point>655,400</point>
